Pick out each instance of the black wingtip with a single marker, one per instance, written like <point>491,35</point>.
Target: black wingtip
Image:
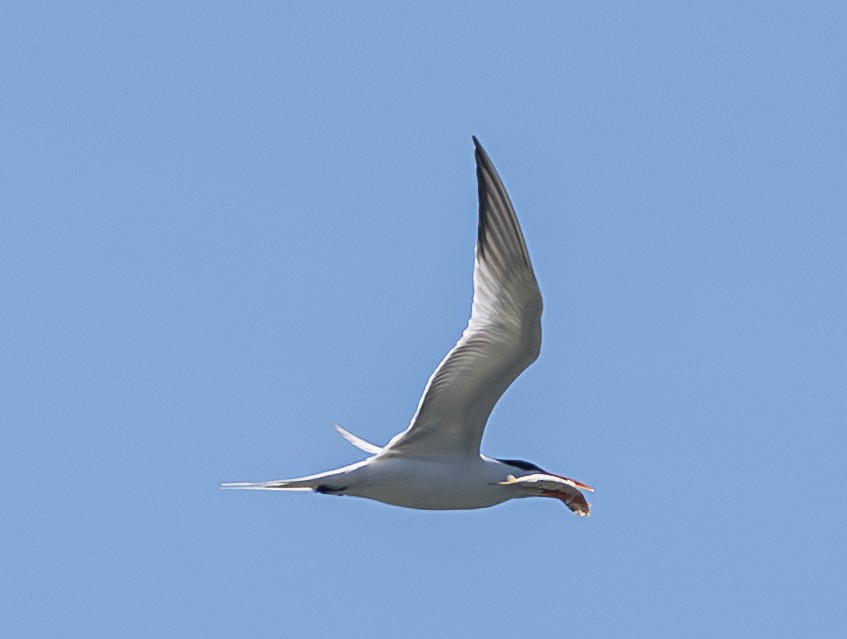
<point>481,155</point>
<point>489,183</point>
<point>478,150</point>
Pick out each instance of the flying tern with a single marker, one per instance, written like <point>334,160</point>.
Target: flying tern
<point>436,464</point>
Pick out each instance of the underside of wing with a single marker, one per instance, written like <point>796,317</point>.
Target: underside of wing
<point>502,338</point>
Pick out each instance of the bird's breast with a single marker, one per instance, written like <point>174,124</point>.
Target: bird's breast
<point>430,485</point>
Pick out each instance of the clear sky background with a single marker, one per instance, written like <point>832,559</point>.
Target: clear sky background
<point>227,226</point>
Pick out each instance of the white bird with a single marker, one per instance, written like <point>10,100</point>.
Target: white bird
<point>436,463</point>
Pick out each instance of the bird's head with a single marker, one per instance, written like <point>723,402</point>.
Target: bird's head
<point>522,466</point>
<point>531,480</point>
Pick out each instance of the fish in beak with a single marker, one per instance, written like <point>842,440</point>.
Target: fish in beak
<point>564,489</point>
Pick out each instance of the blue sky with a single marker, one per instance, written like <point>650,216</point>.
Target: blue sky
<point>226,227</point>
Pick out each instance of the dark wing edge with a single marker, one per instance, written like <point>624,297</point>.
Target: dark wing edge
<point>493,199</point>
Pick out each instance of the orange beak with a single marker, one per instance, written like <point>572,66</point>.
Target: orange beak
<point>576,484</point>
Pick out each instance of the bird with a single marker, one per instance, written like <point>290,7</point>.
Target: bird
<point>436,463</point>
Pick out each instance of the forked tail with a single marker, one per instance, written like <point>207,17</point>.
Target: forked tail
<point>282,484</point>
<point>332,481</point>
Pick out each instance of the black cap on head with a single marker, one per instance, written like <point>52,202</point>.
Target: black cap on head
<point>523,465</point>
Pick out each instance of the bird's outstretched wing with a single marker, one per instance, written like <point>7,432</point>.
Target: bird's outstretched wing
<point>502,338</point>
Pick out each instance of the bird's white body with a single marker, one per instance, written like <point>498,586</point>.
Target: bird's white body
<point>432,484</point>
<point>435,464</point>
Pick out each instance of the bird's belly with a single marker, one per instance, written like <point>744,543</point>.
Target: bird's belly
<point>433,498</point>
<point>432,487</point>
